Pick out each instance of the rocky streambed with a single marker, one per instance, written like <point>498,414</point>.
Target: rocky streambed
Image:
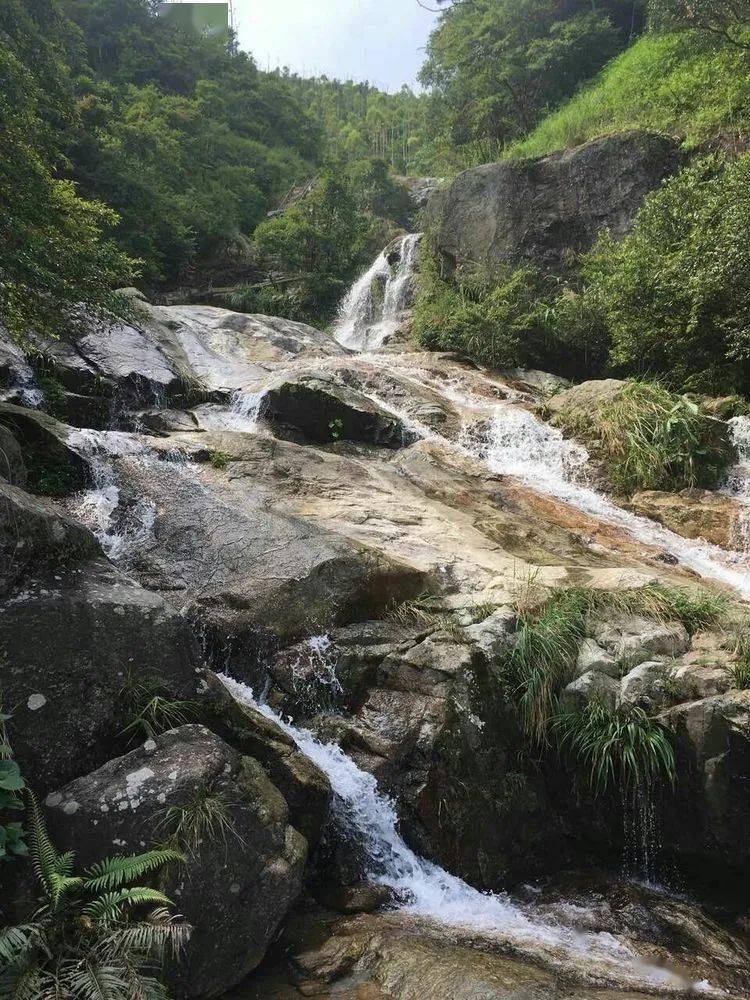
<point>240,517</point>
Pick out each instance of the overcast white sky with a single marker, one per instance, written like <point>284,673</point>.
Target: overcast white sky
<point>377,40</point>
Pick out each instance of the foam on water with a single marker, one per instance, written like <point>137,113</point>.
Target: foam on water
<point>364,323</point>
<point>243,413</point>
<point>425,889</point>
<point>96,507</point>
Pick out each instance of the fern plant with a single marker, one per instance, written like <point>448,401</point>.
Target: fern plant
<point>97,935</point>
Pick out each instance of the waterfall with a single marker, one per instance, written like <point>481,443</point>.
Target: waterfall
<point>242,415</point>
<point>365,319</point>
<point>424,889</point>
<point>96,507</point>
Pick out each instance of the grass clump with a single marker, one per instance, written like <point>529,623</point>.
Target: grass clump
<point>152,710</point>
<point>621,748</point>
<point>546,646</point>
<point>551,626</point>
<point>652,439</point>
<point>418,613</point>
<point>219,459</point>
<point>205,817</point>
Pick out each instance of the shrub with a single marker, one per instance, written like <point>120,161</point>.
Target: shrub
<point>12,842</point>
<point>675,294</point>
<point>652,439</point>
<point>92,937</point>
<point>498,318</point>
<point>621,748</point>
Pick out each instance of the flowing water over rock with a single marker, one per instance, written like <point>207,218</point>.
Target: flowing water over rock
<point>423,889</point>
<point>372,310</point>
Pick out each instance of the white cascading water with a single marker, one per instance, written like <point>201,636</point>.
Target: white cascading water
<point>363,323</point>
<point>426,890</point>
<point>737,484</point>
<point>96,506</point>
<point>242,415</point>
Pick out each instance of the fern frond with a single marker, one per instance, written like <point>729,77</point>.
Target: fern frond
<point>151,940</point>
<point>87,980</point>
<point>119,870</point>
<point>44,857</point>
<point>109,906</point>
<point>17,942</point>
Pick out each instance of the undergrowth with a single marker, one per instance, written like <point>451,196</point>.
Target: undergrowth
<point>151,710</point>
<point>552,625</point>
<point>652,439</point>
<point>620,749</point>
<point>205,817</point>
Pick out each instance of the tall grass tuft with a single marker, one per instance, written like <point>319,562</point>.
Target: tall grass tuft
<point>652,439</point>
<point>621,748</point>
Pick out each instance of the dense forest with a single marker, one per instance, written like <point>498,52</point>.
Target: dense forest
<point>138,153</point>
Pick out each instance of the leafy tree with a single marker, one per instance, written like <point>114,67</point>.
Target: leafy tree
<point>90,938</point>
<point>317,245</point>
<point>727,20</point>
<point>675,294</point>
<point>496,66</point>
<point>54,251</point>
<point>375,191</point>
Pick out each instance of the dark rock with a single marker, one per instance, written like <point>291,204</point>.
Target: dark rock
<point>365,898</point>
<point>35,535</point>
<point>168,421</point>
<point>12,467</point>
<point>549,210</point>
<point>236,886</point>
<point>305,787</point>
<point>325,411</point>
<point>69,644</point>
<point>54,469</point>
<point>709,818</point>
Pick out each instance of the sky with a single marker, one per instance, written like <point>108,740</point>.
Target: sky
<point>377,40</point>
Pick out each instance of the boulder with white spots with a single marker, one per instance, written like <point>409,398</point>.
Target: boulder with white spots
<point>71,640</point>
<point>239,879</point>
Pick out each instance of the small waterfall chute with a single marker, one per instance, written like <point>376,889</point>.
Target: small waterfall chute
<point>374,306</point>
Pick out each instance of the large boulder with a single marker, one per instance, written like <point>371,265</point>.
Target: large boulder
<point>53,468</point>
<point>36,536</point>
<point>547,211</point>
<point>324,411</point>
<point>241,876</point>
<point>72,645</point>
<point>709,819</point>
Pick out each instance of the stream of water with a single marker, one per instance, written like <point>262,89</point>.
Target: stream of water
<point>424,889</point>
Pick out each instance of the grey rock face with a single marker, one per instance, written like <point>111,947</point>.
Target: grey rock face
<point>237,886</point>
<point>53,468</point>
<point>547,211</point>
<point>637,639</point>
<point>589,687</point>
<point>591,656</point>
<point>68,643</point>
<point>647,685</point>
<point>493,635</point>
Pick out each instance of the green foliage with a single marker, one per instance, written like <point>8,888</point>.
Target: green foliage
<point>740,668</point>
<point>728,21</point>
<point>552,624</point>
<point>204,818</point>
<point>675,294</point>
<point>51,475</point>
<point>377,193</point>
<point>547,642</point>
<point>151,710</point>
<point>97,934</point>
<point>499,319</point>
<point>12,839</point>
<point>318,244</point>
<point>651,439</point>
<point>218,459</point>
<point>680,84</point>
<point>496,66</point>
<point>620,749</point>
<point>55,253</point>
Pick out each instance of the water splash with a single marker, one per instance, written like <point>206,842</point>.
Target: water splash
<point>518,444</point>
<point>424,889</point>
<point>737,483</point>
<point>97,506</point>
<point>365,321</point>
